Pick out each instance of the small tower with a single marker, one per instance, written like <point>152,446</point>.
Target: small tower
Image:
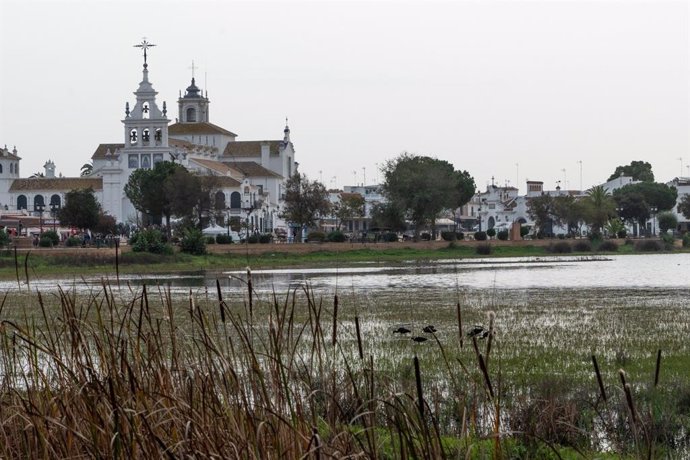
<point>193,107</point>
<point>49,167</point>
<point>286,133</point>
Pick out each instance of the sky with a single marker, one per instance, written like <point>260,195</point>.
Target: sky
<point>557,91</point>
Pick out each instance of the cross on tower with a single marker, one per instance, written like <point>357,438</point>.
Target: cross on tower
<point>144,45</point>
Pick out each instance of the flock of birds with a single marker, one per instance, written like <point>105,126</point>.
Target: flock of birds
<point>478,331</point>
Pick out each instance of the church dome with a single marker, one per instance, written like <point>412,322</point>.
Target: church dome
<point>192,90</point>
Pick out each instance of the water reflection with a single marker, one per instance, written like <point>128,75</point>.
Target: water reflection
<point>668,271</point>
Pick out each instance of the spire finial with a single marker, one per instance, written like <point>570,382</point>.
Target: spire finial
<point>145,45</point>
<point>193,67</point>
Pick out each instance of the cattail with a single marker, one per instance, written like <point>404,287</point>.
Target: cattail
<point>599,380</point>
<point>359,338</point>
<point>658,367</point>
<point>221,304</point>
<point>482,367</point>
<point>249,288</point>
<point>459,312</point>
<point>117,260</point>
<point>628,395</point>
<point>418,381</point>
<point>334,337</point>
<point>492,317</point>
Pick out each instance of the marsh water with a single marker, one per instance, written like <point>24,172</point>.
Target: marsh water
<point>661,276</point>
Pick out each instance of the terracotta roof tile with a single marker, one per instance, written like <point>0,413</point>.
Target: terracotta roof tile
<point>251,169</point>
<point>216,166</point>
<point>250,149</point>
<point>56,183</point>
<point>180,129</point>
<point>99,154</point>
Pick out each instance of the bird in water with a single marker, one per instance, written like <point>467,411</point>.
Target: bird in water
<point>419,339</point>
<point>430,329</point>
<point>476,330</point>
<point>402,330</point>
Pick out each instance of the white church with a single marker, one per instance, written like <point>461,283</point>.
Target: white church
<point>250,174</point>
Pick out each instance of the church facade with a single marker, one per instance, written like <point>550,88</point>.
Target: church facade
<point>249,175</point>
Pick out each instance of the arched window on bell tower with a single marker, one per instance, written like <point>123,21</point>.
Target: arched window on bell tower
<point>145,110</point>
<point>133,137</point>
<point>191,115</point>
<point>145,136</point>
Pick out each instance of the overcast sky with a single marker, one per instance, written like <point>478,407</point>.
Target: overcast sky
<point>512,89</point>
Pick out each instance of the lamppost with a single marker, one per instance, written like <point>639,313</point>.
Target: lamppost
<point>40,208</point>
<point>653,210</point>
<point>53,211</point>
<point>248,207</point>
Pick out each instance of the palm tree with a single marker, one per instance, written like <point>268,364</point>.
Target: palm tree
<point>86,169</point>
<point>600,208</point>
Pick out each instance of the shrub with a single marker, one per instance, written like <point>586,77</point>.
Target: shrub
<point>45,242</point>
<point>524,230</point>
<point>480,236</point>
<point>460,236</point>
<point>582,246</point>
<point>52,236</point>
<point>317,237</point>
<point>648,246</point>
<point>561,247</point>
<point>491,232</point>
<point>502,235</point>
<point>608,246</point>
<point>253,239</point>
<point>668,240</point>
<point>389,237</point>
<point>265,238</point>
<point>686,240</point>
<point>425,236</point>
<point>336,236</point>
<point>207,239</point>
<point>73,242</point>
<point>193,242</point>
<point>223,239</point>
<point>448,236</point>
<point>667,221</point>
<point>150,240</point>
<point>483,249</point>
<point>4,238</point>
<point>622,233</point>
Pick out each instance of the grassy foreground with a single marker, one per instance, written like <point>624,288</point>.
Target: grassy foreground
<point>126,374</point>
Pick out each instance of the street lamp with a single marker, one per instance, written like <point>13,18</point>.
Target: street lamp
<point>53,211</point>
<point>40,208</point>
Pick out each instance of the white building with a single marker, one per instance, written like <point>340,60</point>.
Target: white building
<point>250,174</point>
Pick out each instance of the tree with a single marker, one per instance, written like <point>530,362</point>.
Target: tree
<point>667,221</point>
<point>599,207</point>
<point>350,206</point>
<point>387,215</point>
<point>81,209</point>
<point>638,170</point>
<point>305,201</point>
<point>86,169</point>
<point>423,187</point>
<point>106,225</point>
<point>541,210</point>
<point>636,201</point>
<point>147,190</point>
<point>684,206</point>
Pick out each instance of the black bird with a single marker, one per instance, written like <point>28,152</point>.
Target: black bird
<point>483,335</point>
<point>430,329</point>
<point>476,330</point>
<point>402,330</point>
<point>419,339</point>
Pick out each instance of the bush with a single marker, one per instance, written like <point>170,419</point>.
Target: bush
<point>483,249</point>
<point>582,246</point>
<point>52,236</point>
<point>491,232</point>
<point>316,237</point>
<point>73,242</point>
<point>265,238</point>
<point>45,242</point>
<point>561,247</point>
<point>208,240</point>
<point>223,239</point>
<point>389,237</point>
<point>668,240</point>
<point>449,236</point>
<point>336,236</point>
<point>425,236</point>
<point>648,246</point>
<point>4,238</point>
<point>608,246</point>
<point>460,236</point>
<point>622,233</point>
<point>667,221</point>
<point>253,239</point>
<point>686,240</point>
<point>502,235</point>
<point>193,242</point>
<point>150,240</point>
<point>480,236</point>
<point>524,230</point>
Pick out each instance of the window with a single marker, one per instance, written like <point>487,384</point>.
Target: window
<point>133,161</point>
<point>157,158</point>
<point>220,200</point>
<point>235,200</point>
<point>21,202</point>
<point>145,136</point>
<point>1,168</point>
<point>55,202</point>
<point>146,161</point>
<point>133,137</point>
<point>191,115</point>
<point>39,203</point>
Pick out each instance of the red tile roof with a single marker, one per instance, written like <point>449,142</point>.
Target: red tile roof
<point>251,169</point>
<point>181,129</point>
<point>56,183</point>
<point>99,154</point>
<point>250,149</point>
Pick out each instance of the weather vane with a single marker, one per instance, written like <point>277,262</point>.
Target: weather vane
<point>144,45</point>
